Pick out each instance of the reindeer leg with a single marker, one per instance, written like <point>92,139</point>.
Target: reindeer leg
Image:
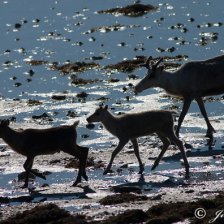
<point>121,144</point>
<point>27,166</point>
<point>166,144</point>
<point>187,103</point>
<point>81,153</point>
<point>179,143</point>
<point>83,161</point>
<point>136,151</point>
<point>210,129</point>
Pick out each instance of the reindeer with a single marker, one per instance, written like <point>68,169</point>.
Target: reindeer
<point>133,125</point>
<point>34,142</point>
<point>192,81</point>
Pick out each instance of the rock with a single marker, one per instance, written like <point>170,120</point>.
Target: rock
<point>156,197</point>
<point>129,216</point>
<point>17,26</point>
<point>82,95</point>
<point>131,10</point>
<point>127,189</point>
<point>90,126</point>
<point>71,114</point>
<point>48,213</point>
<point>121,198</point>
<point>58,97</point>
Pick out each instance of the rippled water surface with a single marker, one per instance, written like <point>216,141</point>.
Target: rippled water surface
<point>62,32</point>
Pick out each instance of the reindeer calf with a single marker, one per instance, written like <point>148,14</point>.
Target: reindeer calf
<point>34,142</point>
<point>131,126</point>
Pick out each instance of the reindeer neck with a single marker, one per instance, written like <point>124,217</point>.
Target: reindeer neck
<point>169,81</point>
<point>110,122</point>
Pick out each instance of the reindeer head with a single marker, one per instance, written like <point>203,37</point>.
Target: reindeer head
<point>151,77</point>
<point>98,115</point>
<point>3,125</point>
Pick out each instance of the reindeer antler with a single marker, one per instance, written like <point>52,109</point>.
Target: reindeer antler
<point>157,63</point>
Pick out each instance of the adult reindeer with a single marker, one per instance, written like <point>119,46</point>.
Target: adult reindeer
<point>192,81</point>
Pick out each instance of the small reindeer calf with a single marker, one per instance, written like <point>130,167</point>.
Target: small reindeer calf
<point>133,125</point>
<point>34,142</point>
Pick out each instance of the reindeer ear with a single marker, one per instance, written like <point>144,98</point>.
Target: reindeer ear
<point>147,63</point>
<point>76,123</point>
<point>106,107</point>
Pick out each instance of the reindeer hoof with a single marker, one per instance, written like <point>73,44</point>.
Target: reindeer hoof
<point>141,170</point>
<point>76,183</point>
<point>154,167</point>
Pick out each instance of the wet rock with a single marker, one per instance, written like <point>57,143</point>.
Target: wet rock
<point>74,67</point>
<point>17,84</point>
<point>80,82</point>
<point>71,114</point>
<point>4,200</point>
<point>45,185</point>
<point>44,214</point>
<point>74,163</point>
<point>133,76</point>
<point>32,102</point>
<point>189,191</point>
<point>97,163</point>
<point>84,136</point>
<point>36,20</point>
<point>221,156</point>
<point>43,116</point>
<point>121,198</point>
<point>175,212</point>
<point>131,10</point>
<point>95,58</point>
<point>82,95</point>
<point>36,62</point>
<point>103,98</point>
<point>156,197</point>
<point>126,189</point>
<point>17,25</point>
<point>13,78</point>
<point>127,65</point>
<point>113,80</point>
<point>129,216</point>
<point>58,97</point>
<point>7,51</point>
<point>90,126</point>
